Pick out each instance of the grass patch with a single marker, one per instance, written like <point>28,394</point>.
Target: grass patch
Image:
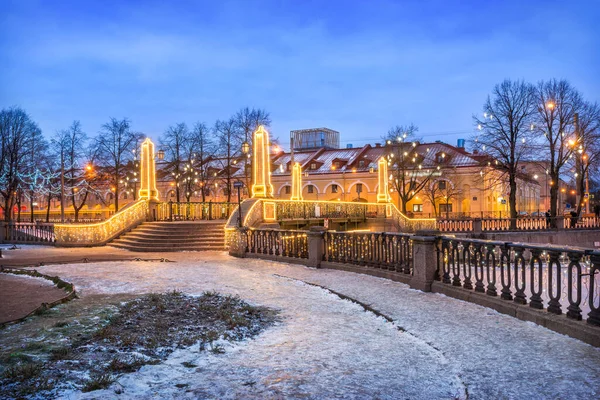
<point>108,341</point>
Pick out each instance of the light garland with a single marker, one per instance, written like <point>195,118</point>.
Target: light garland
<point>100,233</point>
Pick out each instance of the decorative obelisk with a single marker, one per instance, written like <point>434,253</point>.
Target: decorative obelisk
<point>296,182</point>
<point>148,172</point>
<point>383,195</point>
<point>261,165</point>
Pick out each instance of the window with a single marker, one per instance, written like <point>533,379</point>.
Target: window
<point>334,188</point>
<point>311,189</point>
<point>417,207</point>
<point>444,208</point>
<point>125,196</point>
<point>313,166</point>
<point>288,189</point>
<point>336,165</point>
<point>172,193</point>
<point>442,185</point>
<point>361,163</point>
<point>359,188</point>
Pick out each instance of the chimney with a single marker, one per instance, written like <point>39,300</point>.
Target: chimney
<point>377,144</point>
<point>349,146</point>
<point>460,143</point>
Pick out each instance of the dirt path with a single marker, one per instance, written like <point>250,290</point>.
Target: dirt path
<point>20,295</point>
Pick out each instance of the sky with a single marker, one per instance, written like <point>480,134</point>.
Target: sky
<point>359,67</point>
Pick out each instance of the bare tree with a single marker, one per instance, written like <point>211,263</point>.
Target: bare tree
<point>18,138</point>
<point>557,104</point>
<point>175,142</point>
<point>114,146</point>
<point>441,191</point>
<point>229,143</point>
<point>587,154</point>
<point>200,149</point>
<point>78,175</point>
<point>409,174</point>
<point>506,133</point>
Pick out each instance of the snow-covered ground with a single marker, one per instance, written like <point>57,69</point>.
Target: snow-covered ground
<point>326,347</point>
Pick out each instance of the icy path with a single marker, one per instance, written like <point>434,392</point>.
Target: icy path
<point>326,347</point>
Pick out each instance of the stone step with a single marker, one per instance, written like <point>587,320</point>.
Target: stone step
<point>169,243</point>
<point>177,236</point>
<point>155,249</point>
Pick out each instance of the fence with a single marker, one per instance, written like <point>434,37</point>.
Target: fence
<point>27,232</point>
<point>556,278</point>
<point>516,224</point>
<point>101,233</point>
<point>192,211</point>
<point>277,242</point>
<point>390,251</point>
<point>287,210</point>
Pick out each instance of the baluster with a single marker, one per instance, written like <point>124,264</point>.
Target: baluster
<point>407,245</point>
<point>271,244</point>
<point>520,281</point>
<point>446,257</point>
<point>505,274</point>
<point>455,264</point>
<point>247,249</point>
<point>479,287</point>
<point>490,269</point>
<point>467,263</point>
<point>594,314</point>
<point>536,290</point>
<point>554,261</point>
<point>252,241</point>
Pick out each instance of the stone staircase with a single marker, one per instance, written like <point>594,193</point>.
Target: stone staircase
<point>174,236</point>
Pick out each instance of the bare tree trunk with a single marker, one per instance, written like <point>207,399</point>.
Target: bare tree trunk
<point>48,207</point>
<point>553,200</point>
<point>512,200</point>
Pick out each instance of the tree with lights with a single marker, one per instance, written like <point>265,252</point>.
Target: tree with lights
<point>557,104</point>
<point>506,132</point>
<point>114,145</point>
<point>175,141</point>
<point>586,157</point>
<point>409,174</point>
<point>230,142</point>
<point>20,139</point>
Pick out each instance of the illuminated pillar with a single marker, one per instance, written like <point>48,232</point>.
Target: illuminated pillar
<point>147,172</point>
<point>296,182</point>
<point>261,165</point>
<point>383,195</point>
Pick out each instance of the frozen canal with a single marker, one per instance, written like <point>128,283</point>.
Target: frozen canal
<point>326,347</point>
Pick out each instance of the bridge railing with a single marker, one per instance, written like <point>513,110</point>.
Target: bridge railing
<point>193,211</point>
<point>557,278</point>
<point>390,251</point>
<point>101,233</point>
<point>517,224</point>
<point>27,232</point>
<point>277,242</point>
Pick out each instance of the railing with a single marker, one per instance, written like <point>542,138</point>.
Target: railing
<point>277,242</point>
<point>27,232</point>
<point>586,223</point>
<point>556,278</point>
<point>292,210</point>
<point>454,225</point>
<point>102,232</point>
<point>193,211</point>
<point>390,251</point>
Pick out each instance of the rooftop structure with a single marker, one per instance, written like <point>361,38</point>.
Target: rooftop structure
<point>316,138</point>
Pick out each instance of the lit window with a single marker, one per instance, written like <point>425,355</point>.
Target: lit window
<point>313,165</point>
<point>334,188</point>
<point>417,207</point>
<point>444,208</point>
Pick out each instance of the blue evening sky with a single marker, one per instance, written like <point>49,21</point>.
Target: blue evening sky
<point>358,67</point>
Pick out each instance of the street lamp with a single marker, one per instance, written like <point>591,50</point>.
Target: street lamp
<point>245,147</point>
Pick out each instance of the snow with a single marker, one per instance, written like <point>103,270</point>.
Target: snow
<point>326,347</point>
